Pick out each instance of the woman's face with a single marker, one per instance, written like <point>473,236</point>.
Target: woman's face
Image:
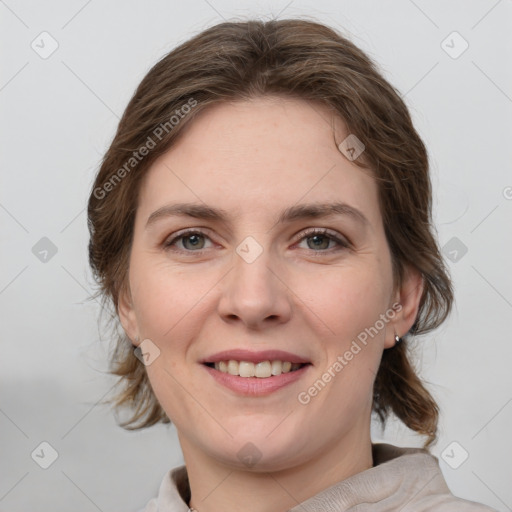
<point>251,274</point>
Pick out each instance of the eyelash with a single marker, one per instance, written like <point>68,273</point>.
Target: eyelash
<point>306,234</point>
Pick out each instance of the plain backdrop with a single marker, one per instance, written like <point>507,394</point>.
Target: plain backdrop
<point>60,106</point>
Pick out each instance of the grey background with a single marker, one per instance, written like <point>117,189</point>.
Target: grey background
<point>58,116</point>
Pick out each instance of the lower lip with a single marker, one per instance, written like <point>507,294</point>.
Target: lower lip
<point>256,386</point>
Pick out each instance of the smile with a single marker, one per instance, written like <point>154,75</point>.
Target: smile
<point>261,370</point>
<point>254,386</point>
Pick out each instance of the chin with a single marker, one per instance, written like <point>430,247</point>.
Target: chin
<point>267,449</point>
<point>251,458</point>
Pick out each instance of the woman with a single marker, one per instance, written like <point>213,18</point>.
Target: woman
<point>262,226</point>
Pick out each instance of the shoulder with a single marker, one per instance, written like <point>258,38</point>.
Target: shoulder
<point>173,494</point>
<point>419,486</point>
<point>151,506</point>
<point>447,503</point>
<point>417,481</point>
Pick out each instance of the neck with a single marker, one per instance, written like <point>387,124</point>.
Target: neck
<point>215,486</point>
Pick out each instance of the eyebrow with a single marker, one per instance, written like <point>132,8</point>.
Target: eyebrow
<point>293,213</point>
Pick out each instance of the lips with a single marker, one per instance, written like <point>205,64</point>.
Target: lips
<point>254,357</point>
<point>230,368</point>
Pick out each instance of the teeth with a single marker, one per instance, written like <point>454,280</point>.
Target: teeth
<point>245,369</point>
<point>276,367</point>
<point>261,370</point>
<point>232,367</point>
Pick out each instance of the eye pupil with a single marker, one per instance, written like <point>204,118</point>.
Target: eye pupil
<point>316,237</point>
<point>195,237</point>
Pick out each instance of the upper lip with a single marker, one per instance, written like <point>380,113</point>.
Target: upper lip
<point>254,357</point>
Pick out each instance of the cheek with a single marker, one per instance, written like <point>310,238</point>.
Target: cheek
<point>165,297</point>
<point>345,300</point>
<point>347,309</point>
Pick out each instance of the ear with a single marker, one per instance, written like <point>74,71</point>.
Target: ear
<point>409,297</point>
<point>127,315</point>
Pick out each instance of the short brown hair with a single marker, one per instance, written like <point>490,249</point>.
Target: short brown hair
<point>301,59</point>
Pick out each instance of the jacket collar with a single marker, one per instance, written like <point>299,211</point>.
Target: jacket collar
<point>398,476</point>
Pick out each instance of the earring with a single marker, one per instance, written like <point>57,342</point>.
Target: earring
<point>398,340</point>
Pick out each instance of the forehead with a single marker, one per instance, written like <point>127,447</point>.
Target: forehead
<point>257,155</point>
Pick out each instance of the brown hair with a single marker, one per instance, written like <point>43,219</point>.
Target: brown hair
<point>301,59</point>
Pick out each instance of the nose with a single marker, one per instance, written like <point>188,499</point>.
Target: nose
<point>255,293</point>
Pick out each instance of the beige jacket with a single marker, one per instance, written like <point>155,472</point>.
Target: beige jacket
<point>401,480</point>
